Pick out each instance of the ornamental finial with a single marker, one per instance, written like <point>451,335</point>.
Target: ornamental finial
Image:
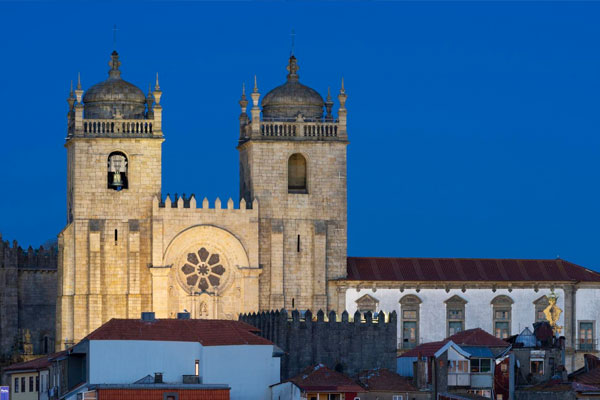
<point>79,81</point>
<point>293,69</point>
<point>255,85</point>
<point>157,87</point>
<point>114,64</point>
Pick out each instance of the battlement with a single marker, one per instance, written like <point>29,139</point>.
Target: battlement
<point>362,342</point>
<point>181,203</point>
<point>31,259</point>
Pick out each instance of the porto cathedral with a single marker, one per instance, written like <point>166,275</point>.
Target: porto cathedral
<point>128,248</point>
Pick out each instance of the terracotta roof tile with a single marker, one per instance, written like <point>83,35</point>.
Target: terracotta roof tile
<point>205,331</point>
<point>319,378</point>
<point>384,380</point>
<point>465,269</point>
<point>38,363</point>
<point>477,337</point>
<point>425,349</point>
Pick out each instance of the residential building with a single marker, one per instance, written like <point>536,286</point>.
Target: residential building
<point>29,380</point>
<point>317,382</point>
<point>183,354</point>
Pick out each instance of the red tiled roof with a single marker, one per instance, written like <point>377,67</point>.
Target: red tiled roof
<point>469,337</point>
<point>319,378</point>
<point>477,337</point>
<point>465,269</point>
<point>384,380</point>
<point>209,332</point>
<point>38,363</point>
<point>589,378</point>
<point>425,349</point>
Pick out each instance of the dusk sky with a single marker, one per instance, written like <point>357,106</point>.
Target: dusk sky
<point>474,127</point>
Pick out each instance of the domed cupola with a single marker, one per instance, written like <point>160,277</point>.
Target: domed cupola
<point>114,98</point>
<point>286,102</point>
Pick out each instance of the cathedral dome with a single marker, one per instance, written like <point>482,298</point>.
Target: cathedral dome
<point>114,98</point>
<point>285,102</point>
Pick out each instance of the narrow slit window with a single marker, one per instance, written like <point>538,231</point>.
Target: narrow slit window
<point>197,368</point>
<point>298,245</point>
<point>116,236</point>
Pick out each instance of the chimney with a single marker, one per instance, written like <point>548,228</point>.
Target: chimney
<point>183,315</point>
<point>158,377</point>
<point>148,316</point>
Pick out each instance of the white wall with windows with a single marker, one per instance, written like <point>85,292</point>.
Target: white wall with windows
<point>587,314</point>
<point>432,318</point>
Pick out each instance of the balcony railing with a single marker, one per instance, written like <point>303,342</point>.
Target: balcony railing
<point>117,127</point>
<point>299,129</point>
<point>587,345</point>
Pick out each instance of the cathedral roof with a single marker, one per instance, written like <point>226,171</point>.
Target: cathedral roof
<point>114,97</point>
<point>285,102</point>
<point>207,332</point>
<point>466,269</point>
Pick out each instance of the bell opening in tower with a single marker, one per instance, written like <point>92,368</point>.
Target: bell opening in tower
<point>117,171</point>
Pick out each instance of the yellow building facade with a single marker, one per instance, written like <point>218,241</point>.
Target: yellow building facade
<point>128,249</point>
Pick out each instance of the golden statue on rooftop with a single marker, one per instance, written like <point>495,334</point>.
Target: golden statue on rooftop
<point>552,312</point>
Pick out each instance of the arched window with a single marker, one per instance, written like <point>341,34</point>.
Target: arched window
<point>502,310</point>
<point>455,315</point>
<point>297,174</point>
<point>409,308</point>
<point>117,171</point>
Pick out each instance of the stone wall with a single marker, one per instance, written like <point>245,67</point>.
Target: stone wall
<point>341,344</point>
<point>27,300</point>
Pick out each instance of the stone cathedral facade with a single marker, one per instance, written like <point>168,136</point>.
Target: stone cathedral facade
<point>127,248</point>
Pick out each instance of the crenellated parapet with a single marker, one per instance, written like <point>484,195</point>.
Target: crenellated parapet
<point>189,204</point>
<point>14,256</point>
<point>352,343</point>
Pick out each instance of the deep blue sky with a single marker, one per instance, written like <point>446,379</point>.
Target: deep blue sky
<point>474,126</point>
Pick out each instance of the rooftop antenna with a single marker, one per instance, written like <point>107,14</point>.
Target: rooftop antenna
<point>293,35</point>
<point>115,29</point>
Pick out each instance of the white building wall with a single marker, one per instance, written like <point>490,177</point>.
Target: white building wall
<point>248,369</point>
<point>478,310</point>
<point>587,308</point>
<point>285,391</point>
<point>126,361</point>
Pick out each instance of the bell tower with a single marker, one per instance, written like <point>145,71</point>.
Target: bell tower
<point>114,140</point>
<point>293,160</point>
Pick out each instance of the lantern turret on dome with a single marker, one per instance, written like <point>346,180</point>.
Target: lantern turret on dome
<point>286,102</point>
<point>114,97</point>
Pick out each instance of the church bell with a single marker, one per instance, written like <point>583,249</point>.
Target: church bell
<point>116,181</point>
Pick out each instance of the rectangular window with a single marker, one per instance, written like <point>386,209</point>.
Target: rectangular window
<point>501,330</point>
<point>481,365</point>
<point>23,388</point>
<point>454,327</point>
<point>539,315</point>
<point>197,367</point>
<point>31,383</point>
<point>16,388</point>
<point>455,314</point>
<point>409,314</point>
<point>398,397</point>
<point>502,315</point>
<point>586,336</point>
<point>409,334</point>
<point>537,367</point>
<point>37,383</point>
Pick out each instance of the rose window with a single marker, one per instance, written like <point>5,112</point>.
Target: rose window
<point>203,270</point>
